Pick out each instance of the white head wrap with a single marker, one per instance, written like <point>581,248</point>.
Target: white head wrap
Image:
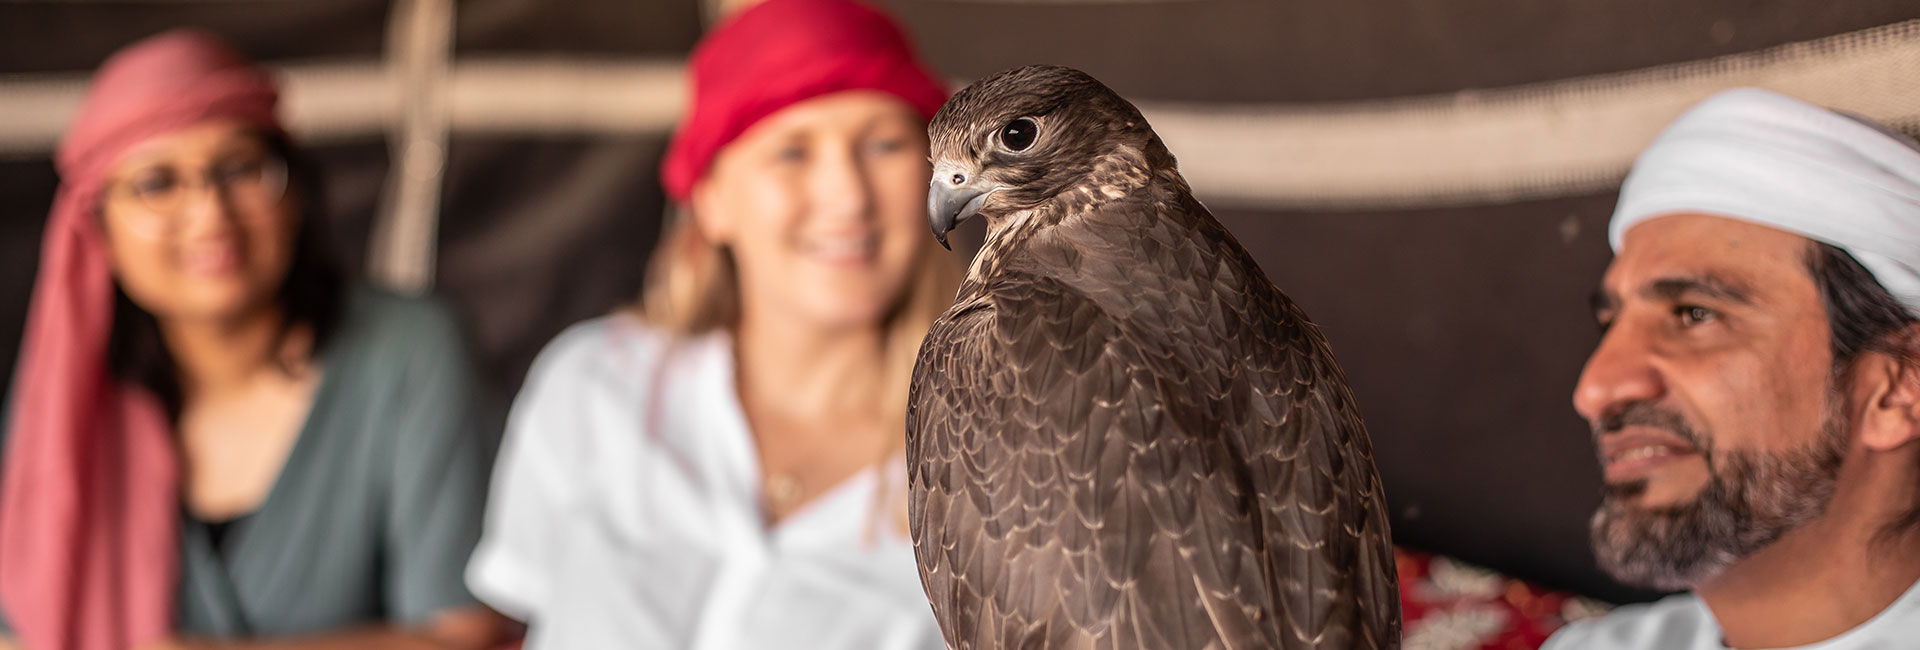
<point>1763,157</point>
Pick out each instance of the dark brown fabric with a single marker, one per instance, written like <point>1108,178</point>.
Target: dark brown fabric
<point>539,233</point>
<point>26,197</point>
<point>1462,332</point>
<point>355,177</point>
<point>76,36</point>
<point>598,28</point>
<point>1240,50</point>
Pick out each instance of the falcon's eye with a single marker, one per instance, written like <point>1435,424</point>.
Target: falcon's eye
<point>1018,135</point>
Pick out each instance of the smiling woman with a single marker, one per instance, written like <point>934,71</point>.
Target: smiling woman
<point>169,264</point>
<point>214,440</point>
<point>722,468</point>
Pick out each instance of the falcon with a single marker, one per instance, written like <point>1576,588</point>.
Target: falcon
<point>1122,435</point>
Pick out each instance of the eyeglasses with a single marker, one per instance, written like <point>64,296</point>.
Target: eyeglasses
<point>246,181</point>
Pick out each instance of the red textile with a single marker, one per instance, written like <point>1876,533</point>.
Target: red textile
<point>1449,605</point>
<point>780,52</point>
<point>88,506</point>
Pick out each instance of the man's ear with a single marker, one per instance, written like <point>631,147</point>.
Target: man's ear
<point>1891,381</point>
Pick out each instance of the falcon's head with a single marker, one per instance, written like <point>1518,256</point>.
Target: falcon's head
<point>1020,138</point>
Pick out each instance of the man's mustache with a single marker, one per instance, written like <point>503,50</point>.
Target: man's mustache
<point>1648,414</point>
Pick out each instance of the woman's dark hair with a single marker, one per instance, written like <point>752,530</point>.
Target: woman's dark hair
<point>311,295</point>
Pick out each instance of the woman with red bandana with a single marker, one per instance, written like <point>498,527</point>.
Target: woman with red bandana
<point>722,467</point>
<point>212,442</point>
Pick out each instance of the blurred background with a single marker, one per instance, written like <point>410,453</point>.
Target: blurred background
<point>1430,180</point>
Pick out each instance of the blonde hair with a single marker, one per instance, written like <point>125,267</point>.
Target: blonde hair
<point>692,288</point>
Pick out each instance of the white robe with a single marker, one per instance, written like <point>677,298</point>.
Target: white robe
<point>1683,622</point>
<point>625,514</point>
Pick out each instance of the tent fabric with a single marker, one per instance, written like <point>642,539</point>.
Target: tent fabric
<point>1463,332</point>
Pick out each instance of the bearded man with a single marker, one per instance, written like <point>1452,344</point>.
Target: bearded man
<point>1755,396</point>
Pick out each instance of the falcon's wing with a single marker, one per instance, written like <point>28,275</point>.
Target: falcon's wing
<point>1308,449</point>
<point>1305,444</point>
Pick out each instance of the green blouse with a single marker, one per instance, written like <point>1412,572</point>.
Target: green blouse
<point>379,502</point>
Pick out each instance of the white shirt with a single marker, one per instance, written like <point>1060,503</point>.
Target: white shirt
<point>625,514</point>
<point>1683,622</point>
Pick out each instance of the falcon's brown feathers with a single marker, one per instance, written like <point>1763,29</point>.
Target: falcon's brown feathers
<point>1122,435</point>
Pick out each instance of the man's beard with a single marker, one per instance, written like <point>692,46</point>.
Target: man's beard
<point>1752,499</point>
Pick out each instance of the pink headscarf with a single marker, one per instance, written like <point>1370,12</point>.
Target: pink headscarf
<point>90,509</point>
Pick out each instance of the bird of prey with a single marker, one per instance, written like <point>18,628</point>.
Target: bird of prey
<point>1122,435</point>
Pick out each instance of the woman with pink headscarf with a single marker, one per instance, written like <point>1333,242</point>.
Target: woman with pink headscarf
<point>211,441</point>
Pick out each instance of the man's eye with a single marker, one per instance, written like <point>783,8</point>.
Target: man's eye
<point>1690,315</point>
<point>791,154</point>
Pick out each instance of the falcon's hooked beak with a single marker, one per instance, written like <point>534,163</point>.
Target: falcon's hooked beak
<point>951,198</point>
